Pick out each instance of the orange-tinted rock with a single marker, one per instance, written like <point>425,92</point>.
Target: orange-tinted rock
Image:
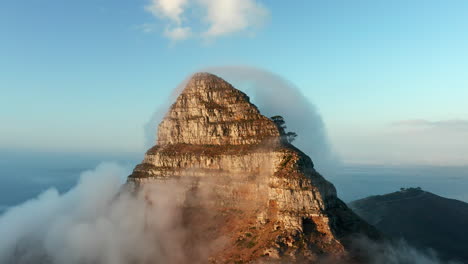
<point>272,202</point>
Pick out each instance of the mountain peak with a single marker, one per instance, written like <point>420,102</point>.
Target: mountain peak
<point>231,165</point>
<point>205,75</point>
<point>206,81</point>
<point>210,111</point>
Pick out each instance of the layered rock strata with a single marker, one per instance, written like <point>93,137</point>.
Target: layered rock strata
<point>273,203</point>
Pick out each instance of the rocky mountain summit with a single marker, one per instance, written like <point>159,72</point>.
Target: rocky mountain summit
<point>241,184</point>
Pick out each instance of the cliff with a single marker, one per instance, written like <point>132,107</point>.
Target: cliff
<point>262,195</point>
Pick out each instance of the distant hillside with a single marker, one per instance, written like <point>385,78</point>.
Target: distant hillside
<point>422,218</point>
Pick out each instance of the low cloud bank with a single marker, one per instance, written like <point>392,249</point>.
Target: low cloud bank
<point>394,252</point>
<point>101,222</point>
<point>97,222</point>
<point>456,124</point>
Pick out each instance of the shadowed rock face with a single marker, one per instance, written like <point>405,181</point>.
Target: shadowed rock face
<point>422,218</point>
<point>263,195</point>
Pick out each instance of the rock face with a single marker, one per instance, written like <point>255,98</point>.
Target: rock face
<point>211,112</point>
<point>268,199</point>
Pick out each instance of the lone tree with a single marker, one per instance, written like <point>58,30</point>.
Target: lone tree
<point>281,124</point>
<point>279,121</point>
<point>291,136</point>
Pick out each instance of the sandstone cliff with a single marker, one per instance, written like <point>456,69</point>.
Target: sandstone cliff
<point>262,194</point>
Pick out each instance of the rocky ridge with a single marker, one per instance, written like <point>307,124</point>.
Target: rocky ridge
<point>422,218</point>
<point>268,200</point>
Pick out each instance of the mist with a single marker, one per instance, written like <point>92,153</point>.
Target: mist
<point>103,221</point>
<point>99,221</point>
<point>394,252</point>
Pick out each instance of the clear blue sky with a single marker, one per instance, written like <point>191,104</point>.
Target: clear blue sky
<point>85,76</point>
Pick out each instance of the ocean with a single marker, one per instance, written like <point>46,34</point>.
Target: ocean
<point>359,181</point>
<point>24,175</point>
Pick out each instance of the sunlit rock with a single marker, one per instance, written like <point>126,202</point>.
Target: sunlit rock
<point>243,182</point>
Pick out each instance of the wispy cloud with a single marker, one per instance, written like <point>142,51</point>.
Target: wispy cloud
<point>147,28</point>
<point>408,142</point>
<point>211,18</point>
<point>455,124</point>
<point>168,9</point>
<point>178,33</point>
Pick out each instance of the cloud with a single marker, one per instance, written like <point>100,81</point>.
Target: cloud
<point>301,115</point>
<point>394,252</point>
<point>228,16</point>
<point>408,142</point>
<point>102,221</point>
<point>168,9</point>
<point>178,33</point>
<point>215,18</point>
<point>455,124</point>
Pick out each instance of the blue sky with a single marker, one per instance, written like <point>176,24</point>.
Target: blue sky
<point>86,75</point>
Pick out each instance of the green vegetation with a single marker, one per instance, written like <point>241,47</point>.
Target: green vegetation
<point>281,124</point>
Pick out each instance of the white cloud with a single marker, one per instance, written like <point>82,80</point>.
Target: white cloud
<point>102,221</point>
<point>213,18</point>
<point>170,9</point>
<point>228,16</point>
